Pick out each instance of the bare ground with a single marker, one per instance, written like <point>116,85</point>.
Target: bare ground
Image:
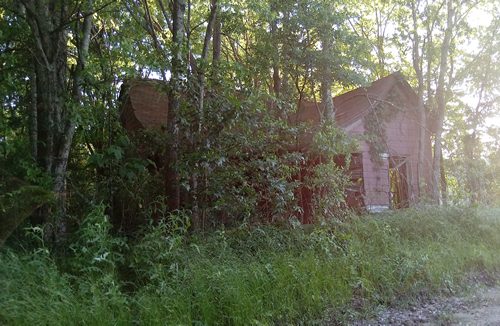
<point>485,311</point>
<point>481,307</point>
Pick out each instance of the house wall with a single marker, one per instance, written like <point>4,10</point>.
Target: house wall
<point>375,177</point>
<point>147,107</point>
<point>402,140</point>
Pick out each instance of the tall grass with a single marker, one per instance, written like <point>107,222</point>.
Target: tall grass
<point>247,276</point>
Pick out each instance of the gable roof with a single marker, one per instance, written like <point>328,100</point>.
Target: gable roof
<point>146,106</point>
<point>352,106</point>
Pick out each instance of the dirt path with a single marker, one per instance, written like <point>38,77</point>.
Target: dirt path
<point>485,311</point>
<point>480,308</point>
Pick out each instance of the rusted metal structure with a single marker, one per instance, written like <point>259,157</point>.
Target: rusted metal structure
<point>383,179</point>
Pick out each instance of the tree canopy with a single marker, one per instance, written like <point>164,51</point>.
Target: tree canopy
<point>234,72</point>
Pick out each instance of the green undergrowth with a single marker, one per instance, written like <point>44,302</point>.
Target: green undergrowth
<point>259,275</point>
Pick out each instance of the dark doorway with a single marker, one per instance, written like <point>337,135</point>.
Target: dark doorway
<point>356,190</point>
<point>398,181</point>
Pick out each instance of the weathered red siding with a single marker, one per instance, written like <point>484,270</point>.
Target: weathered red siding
<point>402,140</point>
<point>401,131</point>
<point>147,107</point>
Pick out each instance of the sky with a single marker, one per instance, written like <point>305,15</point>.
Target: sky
<point>482,17</point>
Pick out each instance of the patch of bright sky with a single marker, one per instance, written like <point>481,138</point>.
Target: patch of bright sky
<point>478,17</point>
<point>481,17</point>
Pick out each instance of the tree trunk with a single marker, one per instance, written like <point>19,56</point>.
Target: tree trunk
<point>417,61</point>
<point>217,41</point>
<point>441,106</point>
<point>276,67</point>
<point>444,185</point>
<point>51,125</point>
<point>33,117</point>
<point>172,175</point>
<point>196,219</point>
<point>204,54</point>
<point>326,82</point>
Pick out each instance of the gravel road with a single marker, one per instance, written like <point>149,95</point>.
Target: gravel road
<point>480,308</point>
<point>485,311</point>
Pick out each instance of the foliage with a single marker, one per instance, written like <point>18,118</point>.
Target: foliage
<point>375,123</point>
<point>18,201</point>
<point>249,162</point>
<point>127,179</point>
<point>159,248</point>
<point>125,257</point>
<point>96,252</point>
<point>235,140</point>
<point>254,275</point>
<point>327,180</point>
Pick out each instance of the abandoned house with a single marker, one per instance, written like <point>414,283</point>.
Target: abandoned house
<point>384,116</point>
<point>384,172</point>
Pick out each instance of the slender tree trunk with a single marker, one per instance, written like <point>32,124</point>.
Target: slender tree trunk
<point>204,55</point>
<point>197,219</point>
<point>172,175</point>
<point>276,57</point>
<point>217,40</point>
<point>33,116</point>
<point>422,167</point>
<point>441,105</point>
<point>276,80</point>
<point>470,143</point>
<point>68,125</point>
<point>429,54</point>
<point>326,98</point>
<point>444,185</point>
<point>326,82</point>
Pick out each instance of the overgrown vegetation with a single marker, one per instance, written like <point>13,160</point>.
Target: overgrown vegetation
<point>199,222</point>
<point>247,275</point>
<point>242,67</point>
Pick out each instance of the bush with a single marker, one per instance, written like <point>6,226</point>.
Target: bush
<point>259,275</point>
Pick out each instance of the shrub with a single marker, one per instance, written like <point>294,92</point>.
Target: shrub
<point>251,275</point>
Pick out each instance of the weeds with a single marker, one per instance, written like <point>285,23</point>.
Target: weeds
<point>259,275</point>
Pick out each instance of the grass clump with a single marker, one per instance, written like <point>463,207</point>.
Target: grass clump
<point>259,275</point>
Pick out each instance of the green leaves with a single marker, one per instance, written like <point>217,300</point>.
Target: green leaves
<point>18,201</point>
<point>96,251</point>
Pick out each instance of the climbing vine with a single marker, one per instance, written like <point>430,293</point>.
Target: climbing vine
<point>375,123</point>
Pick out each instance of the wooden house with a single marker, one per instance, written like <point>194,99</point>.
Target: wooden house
<point>384,172</point>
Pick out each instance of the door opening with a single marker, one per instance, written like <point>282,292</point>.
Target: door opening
<point>398,182</point>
